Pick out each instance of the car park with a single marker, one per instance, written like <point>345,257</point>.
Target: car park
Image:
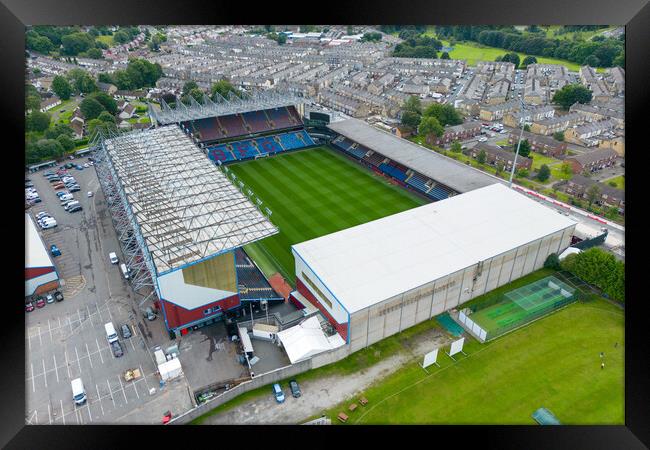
<point>40,302</point>
<point>277,392</point>
<point>117,349</point>
<point>295,389</point>
<point>54,250</point>
<point>29,307</point>
<point>126,331</point>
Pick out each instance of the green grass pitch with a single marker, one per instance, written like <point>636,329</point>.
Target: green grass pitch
<point>553,362</point>
<point>312,193</point>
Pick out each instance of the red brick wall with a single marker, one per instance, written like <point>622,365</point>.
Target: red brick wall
<point>34,272</point>
<point>342,329</point>
<point>178,316</point>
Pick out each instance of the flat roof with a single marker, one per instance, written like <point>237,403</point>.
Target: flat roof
<point>186,209</point>
<point>36,255</point>
<point>442,169</point>
<point>364,265</point>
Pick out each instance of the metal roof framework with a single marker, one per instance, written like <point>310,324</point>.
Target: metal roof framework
<point>169,204</point>
<point>250,101</point>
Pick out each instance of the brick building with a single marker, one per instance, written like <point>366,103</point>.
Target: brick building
<point>460,132</point>
<point>544,145</point>
<point>593,161</point>
<point>609,196</point>
<point>495,155</point>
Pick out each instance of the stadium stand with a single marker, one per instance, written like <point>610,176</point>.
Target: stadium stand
<point>267,145</point>
<point>257,121</point>
<point>252,284</point>
<point>392,171</point>
<point>375,159</point>
<point>418,182</point>
<point>305,138</point>
<point>249,148</point>
<point>439,192</point>
<point>208,129</point>
<point>233,125</point>
<point>220,153</point>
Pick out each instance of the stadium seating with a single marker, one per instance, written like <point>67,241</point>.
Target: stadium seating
<point>233,125</point>
<point>208,129</point>
<point>290,141</point>
<point>392,171</point>
<point>375,159</point>
<point>244,149</point>
<point>252,284</point>
<point>281,118</point>
<point>220,153</point>
<point>294,117</point>
<point>257,121</point>
<point>438,192</point>
<point>418,182</point>
<point>267,145</point>
<point>305,137</point>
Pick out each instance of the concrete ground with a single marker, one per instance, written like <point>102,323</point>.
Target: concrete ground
<point>67,340</point>
<point>321,394</point>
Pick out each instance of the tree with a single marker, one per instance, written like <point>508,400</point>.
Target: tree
<point>410,119</point>
<point>188,86</point>
<point>223,88</point>
<point>552,262</point>
<point>511,57</point>
<point>522,173</point>
<point>570,94</point>
<point>544,173</point>
<point>282,39</point>
<point>592,60</point>
<point>94,53</point>
<point>41,44</point>
<point>524,148</point>
<point>37,121</point>
<point>566,170</point>
<point>81,81</point>
<point>499,168</point>
<point>95,126</point>
<point>61,87</point>
<point>481,157</point>
<point>59,129</point>
<point>66,142</point>
<point>528,60</point>
<point>91,108</point>
<point>446,114</point>
<point>456,147</point>
<point>107,117</point>
<point>120,37</point>
<point>430,126</point>
<point>75,43</point>
<point>526,127</point>
<point>612,213</point>
<point>413,104</point>
<point>106,101</point>
<point>600,268</point>
<point>593,194</point>
<point>445,55</point>
<point>558,136</point>
<point>105,78</point>
<point>32,98</point>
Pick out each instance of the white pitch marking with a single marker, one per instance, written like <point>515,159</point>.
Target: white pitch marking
<point>44,372</point>
<point>40,339</point>
<point>110,392</point>
<point>33,383</point>
<point>62,412</point>
<point>55,368</point>
<point>78,362</point>
<point>67,364</point>
<point>88,408</point>
<point>122,386</point>
<point>89,358</point>
<point>99,351</point>
<point>100,399</point>
<point>50,328</point>
<point>49,413</point>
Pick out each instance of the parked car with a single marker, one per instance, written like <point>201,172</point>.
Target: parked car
<point>113,258</point>
<point>149,314</point>
<point>117,349</point>
<point>78,167</point>
<point>90,193</point>
<point>54,250</point>
<point>49,298</point>
<point>58,296</point>
<point>40,302</point>
<point>61,193</point>
<point>295,389</point>
<point>86,165</point>
<point>126,331</point>
<point>42,214</point>
<point>277,392</point>
<point>75,208</point>
<point>75,188</point>
<point>29,307</point>
<point>60,186</point>
<point>48,225</point>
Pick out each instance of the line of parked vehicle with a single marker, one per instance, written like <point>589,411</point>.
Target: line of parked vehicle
<point>41,301</point>
<point>278,393</point>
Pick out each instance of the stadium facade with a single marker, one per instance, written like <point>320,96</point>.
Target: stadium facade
<point>377,279</point>
<point>40,274</point>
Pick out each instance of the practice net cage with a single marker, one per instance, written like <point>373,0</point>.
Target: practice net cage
<point>517,307</point>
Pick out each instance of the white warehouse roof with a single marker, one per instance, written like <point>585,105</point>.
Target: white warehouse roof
<point>364,265</point>
<point>36,255</point>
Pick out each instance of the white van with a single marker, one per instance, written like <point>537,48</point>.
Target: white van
<point>113,257</point>
<point>78,392</point>
<point>125,271</point>
<point>71,204</point>
<point>111,334</point>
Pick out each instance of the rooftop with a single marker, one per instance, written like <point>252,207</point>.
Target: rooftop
<point>444,170</point>
<point>361,267</point>
<point>185,208</point>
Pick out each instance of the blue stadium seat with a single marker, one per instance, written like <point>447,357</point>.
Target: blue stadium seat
<point>392,171</point>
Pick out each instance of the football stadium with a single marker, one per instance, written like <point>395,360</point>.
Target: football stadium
<point>373,231</point>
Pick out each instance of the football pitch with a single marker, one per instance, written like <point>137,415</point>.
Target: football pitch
<point>554,363</point>
<point>312,193</point>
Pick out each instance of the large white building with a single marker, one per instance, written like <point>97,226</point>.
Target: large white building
<point>40,274</point>
<point>379,278</point>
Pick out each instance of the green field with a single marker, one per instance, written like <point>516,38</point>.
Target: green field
<point>108,40</point>
<point>553,362</point>
<point>619,180</point>
<point>313,193</point>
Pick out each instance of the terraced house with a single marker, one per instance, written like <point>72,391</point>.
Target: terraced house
<point>545,145</point>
